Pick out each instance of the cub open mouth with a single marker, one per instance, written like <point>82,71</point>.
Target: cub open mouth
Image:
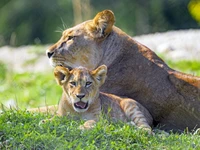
<point>81,105</point>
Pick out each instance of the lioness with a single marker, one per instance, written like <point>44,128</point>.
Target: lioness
<point>172,97</point>
<point>82,99</point>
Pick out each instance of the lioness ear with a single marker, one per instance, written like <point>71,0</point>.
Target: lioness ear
<point>61,74</point>
<point>102,24</point>
<point>100,74</point>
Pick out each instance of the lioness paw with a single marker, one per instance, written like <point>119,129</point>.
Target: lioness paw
<point>88,125</point>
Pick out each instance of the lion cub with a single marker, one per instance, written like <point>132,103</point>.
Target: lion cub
<point>82,98</point>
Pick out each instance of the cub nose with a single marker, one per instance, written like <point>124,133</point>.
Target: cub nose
<point>49,54</point>
<point>80,96</point>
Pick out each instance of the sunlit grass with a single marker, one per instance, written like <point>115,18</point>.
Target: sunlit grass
<point>28,89</point>
<point>21,130</point>
<point>187,66</point>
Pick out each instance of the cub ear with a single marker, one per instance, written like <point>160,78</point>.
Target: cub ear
<point>102,24</point>
<point>100,74</point>
<point>61,74</point>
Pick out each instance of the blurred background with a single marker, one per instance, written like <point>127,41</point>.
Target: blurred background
<point>25,22</point>
<point>27,28</point>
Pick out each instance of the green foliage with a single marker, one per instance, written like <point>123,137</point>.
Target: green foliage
<point>33,21</point>
<point>194,7</point>
<point>21,130</point>
<point>30,22</point>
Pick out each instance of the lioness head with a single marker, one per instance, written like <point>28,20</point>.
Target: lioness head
<point>80,85</point>
<point>79,46</point>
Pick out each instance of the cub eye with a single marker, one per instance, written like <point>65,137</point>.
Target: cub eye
<point>73,83</point>
<point>88,84</point>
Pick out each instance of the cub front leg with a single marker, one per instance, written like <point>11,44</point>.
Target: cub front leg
<point>137,114</point>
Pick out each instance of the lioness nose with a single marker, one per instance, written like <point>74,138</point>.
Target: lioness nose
<point>49,54</point>
<point>80,96</point>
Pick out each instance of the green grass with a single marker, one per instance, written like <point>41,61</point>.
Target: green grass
<point>21,130</point>
<point>187,66</point>
<point>28,89</point>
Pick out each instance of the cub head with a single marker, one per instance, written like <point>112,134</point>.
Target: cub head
<point>80,85</point>
<point>80,45</point>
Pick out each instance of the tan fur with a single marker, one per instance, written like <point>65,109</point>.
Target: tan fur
<point>134,71</point>
<point>82,99</point>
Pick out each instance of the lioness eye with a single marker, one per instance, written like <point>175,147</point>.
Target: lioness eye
<point>88,84</point>
<point>61,45</point>
<point>70,38</point>
<point>73,83</point>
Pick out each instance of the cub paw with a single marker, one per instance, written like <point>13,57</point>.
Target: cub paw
<point>149,131</point>
<point>44,121</point>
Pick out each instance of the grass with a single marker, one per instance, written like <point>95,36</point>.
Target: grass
<point>28,89</point>
<point>21,130</point>
<point>186,66</point>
